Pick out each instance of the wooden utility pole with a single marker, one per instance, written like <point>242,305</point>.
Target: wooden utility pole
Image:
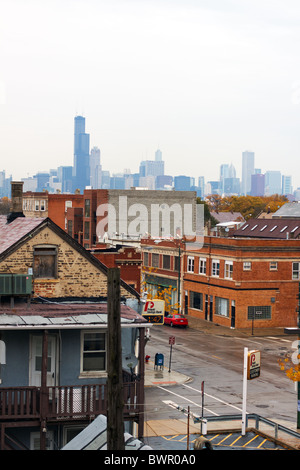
<point>115,422</point>
<point>43,394</point>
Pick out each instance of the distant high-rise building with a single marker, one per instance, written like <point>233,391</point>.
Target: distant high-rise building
<point>201,186</point>
<point>158,155</point>
<point>272,183</point>
<point>64,174</point>
<point>247,171</point>
<point>227,172</point>
<point>152,168</point>
<point>182,183</point>
<point>162,181</point>
<point>231,186</point>
<point>81,167</point>
<point>287,185</point>
<point>95,168</point>
<point>257,184</point>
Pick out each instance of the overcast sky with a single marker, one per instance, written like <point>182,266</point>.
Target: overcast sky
<point>201,80</point>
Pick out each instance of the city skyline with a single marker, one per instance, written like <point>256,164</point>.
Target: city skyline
<point>203,83</point>
<point>87,172</point>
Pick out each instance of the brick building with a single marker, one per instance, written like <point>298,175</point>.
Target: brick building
<point>235,282</point>
<point>54,206</point>
<point>239,282</point>
<point>162,270</point>
<point>128,259</point>
<point>56,344</point>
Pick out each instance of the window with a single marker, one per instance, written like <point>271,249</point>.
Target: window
<point>190,264</point>
<point>67,205</point>
<point>273,265</point>
<point>215,267</point>
<point>166,262</point>
<point>70,227</point>
<point>146,259</point>
<point>228,269</point>
<point>222,306</point>
<point>86,230</point>
<point>247,266</point>
<point>43,205</point>
<point>202,266</point>
<point>176,263</point>
<point>155,260</point>
<point>196,300</point>
<point>36,205</point>
<point>93,352</point>
<point>45,261</point>
<point>296,270</point>
<point>259,313</point>
<point>87,208</point>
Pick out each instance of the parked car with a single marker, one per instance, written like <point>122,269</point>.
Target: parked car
<point>176,320</point>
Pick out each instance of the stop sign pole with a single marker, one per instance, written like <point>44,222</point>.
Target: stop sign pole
<point>171,342</point>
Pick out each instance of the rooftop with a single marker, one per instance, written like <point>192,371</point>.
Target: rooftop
<point>62,315</point>
<point>18,228</point>
<point>269,228</point>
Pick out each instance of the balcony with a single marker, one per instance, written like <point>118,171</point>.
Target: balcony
<point>67,403</point>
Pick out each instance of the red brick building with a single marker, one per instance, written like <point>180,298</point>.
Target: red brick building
<point>239,282</point>
<point>162,269</point>
<point>128,259</point>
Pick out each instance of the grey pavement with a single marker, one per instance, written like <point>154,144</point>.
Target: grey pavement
<point>155,376</point>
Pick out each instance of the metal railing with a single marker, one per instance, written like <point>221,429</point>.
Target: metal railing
<point>259,421</point>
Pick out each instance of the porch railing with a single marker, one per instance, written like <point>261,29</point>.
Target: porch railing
<point>19,402</point>
<point>62,402</point>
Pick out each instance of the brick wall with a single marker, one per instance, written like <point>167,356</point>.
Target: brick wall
<point>77,276</point>
<point>260,286</point>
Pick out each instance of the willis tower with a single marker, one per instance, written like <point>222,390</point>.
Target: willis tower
<point>81,167</point>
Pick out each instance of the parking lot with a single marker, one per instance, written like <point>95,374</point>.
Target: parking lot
<point>227,441</point>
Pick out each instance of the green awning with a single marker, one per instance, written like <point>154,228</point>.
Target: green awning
<point>160,281</point>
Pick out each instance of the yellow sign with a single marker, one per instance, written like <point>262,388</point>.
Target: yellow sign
<point>154,311</point>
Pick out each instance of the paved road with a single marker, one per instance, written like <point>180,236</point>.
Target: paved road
<point>217,361</point>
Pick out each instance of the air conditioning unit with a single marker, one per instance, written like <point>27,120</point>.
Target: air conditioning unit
<point>22,284</point>
<point>6,284</point>
<point>15,284</point>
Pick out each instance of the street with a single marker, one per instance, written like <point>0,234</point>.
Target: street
<point>216,361</point>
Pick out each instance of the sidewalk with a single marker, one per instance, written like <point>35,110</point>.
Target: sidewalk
<point>208,327</point>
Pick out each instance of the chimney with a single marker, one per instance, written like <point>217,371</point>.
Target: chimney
<point>16,209</point>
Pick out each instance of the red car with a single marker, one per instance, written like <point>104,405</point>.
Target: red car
<point>176,320</point>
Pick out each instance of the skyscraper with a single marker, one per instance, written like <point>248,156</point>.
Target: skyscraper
<point>81,167</point>
<point>247,171</point>
<point>95,168</point>
<point>287,185</point>
<point>257,184</point>
<point>273,183</point>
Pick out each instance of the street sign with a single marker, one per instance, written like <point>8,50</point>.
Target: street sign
<point>172,340</point>
<point>253,365</point>
<point>154,311</point>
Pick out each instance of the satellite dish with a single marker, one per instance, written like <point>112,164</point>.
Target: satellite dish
<point>129,362</point>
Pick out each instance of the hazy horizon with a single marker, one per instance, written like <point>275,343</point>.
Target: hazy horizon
<point>202,81</point>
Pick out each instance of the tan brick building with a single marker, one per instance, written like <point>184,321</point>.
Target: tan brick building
<point>61,267</point>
